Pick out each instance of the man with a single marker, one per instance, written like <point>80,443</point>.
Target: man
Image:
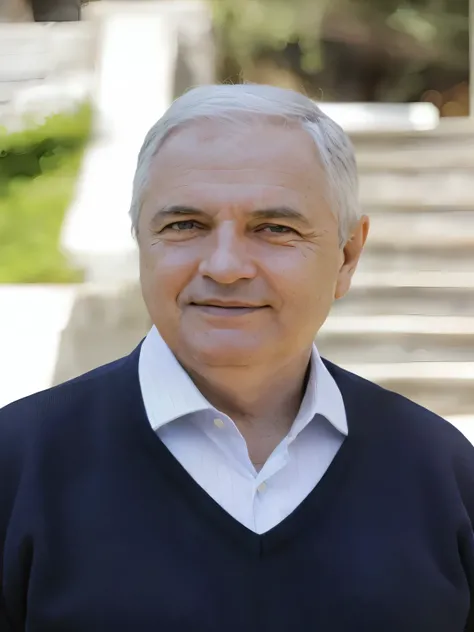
<point>223,476</point>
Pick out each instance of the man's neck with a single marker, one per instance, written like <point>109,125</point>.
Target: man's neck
<point>263,402</point>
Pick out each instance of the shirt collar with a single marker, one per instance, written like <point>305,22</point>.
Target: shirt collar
<point>169,393</point>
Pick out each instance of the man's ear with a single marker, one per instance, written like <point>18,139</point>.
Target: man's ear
<point>350,256</point>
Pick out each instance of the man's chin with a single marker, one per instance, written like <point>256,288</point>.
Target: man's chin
<point>225,348</point>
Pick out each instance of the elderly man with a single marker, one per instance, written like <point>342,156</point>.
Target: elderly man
<point>223,477</point>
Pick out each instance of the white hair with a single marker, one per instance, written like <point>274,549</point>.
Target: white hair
<point>231,103</point>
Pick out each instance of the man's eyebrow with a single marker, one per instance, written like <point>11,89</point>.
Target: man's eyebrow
<point>175,210</point>
<point>280,212</point>
<point>271,213</point>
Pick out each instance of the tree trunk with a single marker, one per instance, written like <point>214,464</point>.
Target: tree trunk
<point>56,10</point>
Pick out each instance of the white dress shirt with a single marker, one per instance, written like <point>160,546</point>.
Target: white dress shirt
<point>210,447</point>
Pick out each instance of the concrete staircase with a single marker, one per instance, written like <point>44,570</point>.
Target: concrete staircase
<point>408,322</point>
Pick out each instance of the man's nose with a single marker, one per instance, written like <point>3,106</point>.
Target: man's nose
<point>227,259</point>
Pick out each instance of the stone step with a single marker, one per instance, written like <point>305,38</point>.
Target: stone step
<point>446,388</point>
<point>420,240</point>
<point>419,157</point>
<point>425,257</point>
<point>443,148</point>
<point>397,339</point>
<point>414,229</point>
<point>414,279</point>
<point>447,136</point>
<point>451,189</point>
<point>393,118</point>
<point>399,292</point>
<point>399,301</point>
<point>447,130</point>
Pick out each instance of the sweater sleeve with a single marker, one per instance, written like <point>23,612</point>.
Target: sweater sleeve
<point>13,424</point>
<point>4,625</point>
<point>464,466</point>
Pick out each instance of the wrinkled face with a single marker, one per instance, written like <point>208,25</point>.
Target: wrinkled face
<point>239,250</point>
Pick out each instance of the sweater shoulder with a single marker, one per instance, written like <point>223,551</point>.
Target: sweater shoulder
<point>20,418</point>
<point>426,438</point>
<point>392,410</point>
<point>25,421</point>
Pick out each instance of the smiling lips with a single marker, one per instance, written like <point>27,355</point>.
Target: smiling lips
<point>226,308</point>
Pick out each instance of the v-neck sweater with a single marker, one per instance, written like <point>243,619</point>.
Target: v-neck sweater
<point>101,528</point>
<point>210,446</point>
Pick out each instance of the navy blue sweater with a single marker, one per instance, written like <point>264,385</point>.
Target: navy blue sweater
<point>101,529</point>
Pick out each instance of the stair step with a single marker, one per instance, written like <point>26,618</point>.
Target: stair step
<point>392,118</point>
<point>448,130</point>
<point>430,241</point>
<point>443,229</point>
<point>388,292</point>
<point>424,257</point>
<point>418,279</point>
<point>399,301</point>
<point>446,388</point>
<point>397,339</point>
<point>450,372</point>
<point>448,146</point>
<point>450,325</point>
<point>412,189</point>
<point>418,157</point>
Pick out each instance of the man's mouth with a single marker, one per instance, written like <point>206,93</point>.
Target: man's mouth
<point>222,309</point>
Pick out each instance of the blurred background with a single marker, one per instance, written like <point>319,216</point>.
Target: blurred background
<point>81,83</point>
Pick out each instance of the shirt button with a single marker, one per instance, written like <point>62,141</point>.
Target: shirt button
<point>219,423</point>
<point>262,487</point>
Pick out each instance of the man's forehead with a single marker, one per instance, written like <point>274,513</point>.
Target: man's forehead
<point>262,171</point>
<point>253,139</point>
<point>262,163</point>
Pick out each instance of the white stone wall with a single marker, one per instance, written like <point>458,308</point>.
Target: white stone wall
<point>104,323</point>
<point>49,334</point>
<point>44,68</point>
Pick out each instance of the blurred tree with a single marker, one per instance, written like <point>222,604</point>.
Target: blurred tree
<point>56,10</point>
<point>366,50</point>
<point>250,26</point>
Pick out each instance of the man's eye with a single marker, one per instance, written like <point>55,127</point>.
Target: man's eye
<point>277,229</point>
<point>185,224</point>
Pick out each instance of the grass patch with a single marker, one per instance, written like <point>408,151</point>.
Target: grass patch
<point>38,172</point>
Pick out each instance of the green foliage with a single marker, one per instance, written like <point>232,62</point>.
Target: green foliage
<point>246,28</point>
<point>440,26</point>
<point>38,171</point>
<point>249,26</point>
